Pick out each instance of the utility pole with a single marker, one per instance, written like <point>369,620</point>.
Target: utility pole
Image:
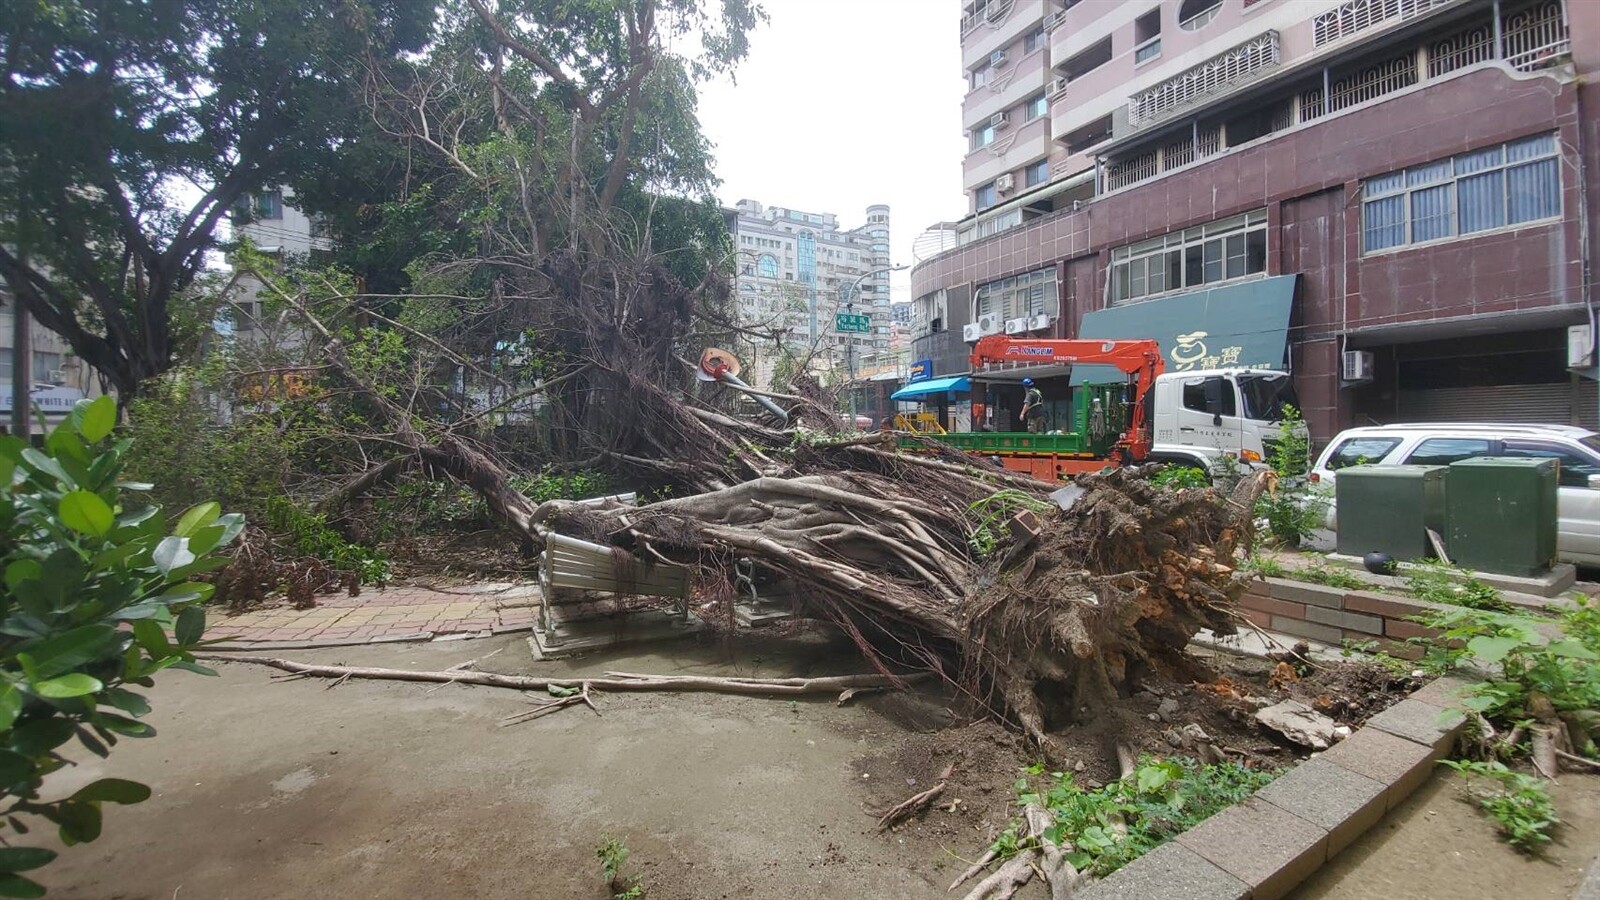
<point>21,345</point>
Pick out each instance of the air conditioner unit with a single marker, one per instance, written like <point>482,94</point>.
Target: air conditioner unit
<point>999,120</point>
<point>971,332</point>
<point>989,323</point>
<point>55,376</point>
<point>1039,323</point>
<point>1054,19</point>
<point>1016,326</point>
<point>1057,85</point>
<point>1580,347</point>
<point>1357,366</point>
<point>1005,183</point>
<point>997,59</point>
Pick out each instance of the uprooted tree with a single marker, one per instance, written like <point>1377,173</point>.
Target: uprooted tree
<point>558,286</point>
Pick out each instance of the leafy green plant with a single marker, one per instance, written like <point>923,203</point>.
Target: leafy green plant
<point>313,536</point>
<point>993,511</point>
<point>1180,477</point>
<point>1519,804</point>
<point>1266,567</point>
<point>613,855</point>
<point>1525,663</point>
<point>1296,508</point>
<point>1439,583</point>
<point>1109,827</point>
<point>98,598</point>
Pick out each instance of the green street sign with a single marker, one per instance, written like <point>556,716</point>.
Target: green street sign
<point>852,322</point>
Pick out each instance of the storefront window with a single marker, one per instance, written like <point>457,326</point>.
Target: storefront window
<point>1206,254</point>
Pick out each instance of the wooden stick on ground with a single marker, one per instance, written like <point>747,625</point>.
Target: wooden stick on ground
<point>916,803</point>
<point>615,681</point>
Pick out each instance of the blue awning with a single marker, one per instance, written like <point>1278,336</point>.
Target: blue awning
<point>1234,326</point>
<point>932,386</point>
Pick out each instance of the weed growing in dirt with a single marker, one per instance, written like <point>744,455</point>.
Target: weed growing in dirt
<point>1296,508</point>
<point>613,855</point>
<point>1112,826</point>
<point>1439,583</point>
<point>1319,572</point>
<point>313,536</point>
<point>1519,804</point>
<point>993,511</point>
<point>1531,670</point>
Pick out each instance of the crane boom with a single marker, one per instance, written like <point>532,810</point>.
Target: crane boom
<point>1140,359</point>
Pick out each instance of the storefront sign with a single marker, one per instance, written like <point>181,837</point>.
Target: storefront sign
<point>921,370</point>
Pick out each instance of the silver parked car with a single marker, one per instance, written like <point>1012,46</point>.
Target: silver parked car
<point>1576,450</point>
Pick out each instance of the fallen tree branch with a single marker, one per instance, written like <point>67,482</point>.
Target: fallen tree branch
<point>616,681</point>
<point>914,804</point>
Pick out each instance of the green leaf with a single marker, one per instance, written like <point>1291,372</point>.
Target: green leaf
<point>17,886</point>
<point>76,684</point>
<point>191,625</point>
<point>10,706</point>
<point>99,416</point>
<point>197,517</point>
<point>1571,649</point>
<point>1492,649</point>
<point>192,666</point>
<point>152,638</point>
<point>21,859</point>
<point>172,553</point>
<point>557,690</point>
<point>113,790</point>
<point>39,461</point>
<point>126,700</point>
<point>39,738</point>
<point>15,768</point>
<point>1152,778</point>
<point>22,570</point>
<point>80,822</point>
<point>69,649</point>
<point>86,513</point>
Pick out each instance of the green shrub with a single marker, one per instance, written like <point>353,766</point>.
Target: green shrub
<point>97,600</point>
<point>1523,661</point>
<point>1297,508</point>
<point>1112,826</point>
<point>1519,804</point>
<point>1439,583</point>
<point>311,535</point>
<point>1179,477</point>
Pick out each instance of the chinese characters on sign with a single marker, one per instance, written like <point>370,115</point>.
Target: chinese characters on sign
<point>1191,353</point>
<point>852,322</point>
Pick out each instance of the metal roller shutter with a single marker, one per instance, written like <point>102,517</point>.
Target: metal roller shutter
<point>1547,404</point>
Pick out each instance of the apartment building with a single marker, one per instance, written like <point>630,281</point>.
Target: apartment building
<point>269,220</point>
<point>1393,199</point>
<point>796,271</point>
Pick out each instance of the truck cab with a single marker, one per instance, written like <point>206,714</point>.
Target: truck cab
<point>1202,414</point>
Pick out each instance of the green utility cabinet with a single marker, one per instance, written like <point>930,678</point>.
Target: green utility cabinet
<point>1502,515</point>
<point>1389,509</point>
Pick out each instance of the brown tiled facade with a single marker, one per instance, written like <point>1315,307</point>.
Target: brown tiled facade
<point>1480,289</point>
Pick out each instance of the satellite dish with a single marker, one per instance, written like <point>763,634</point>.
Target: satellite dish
<point>714,362</point>
<point>934,241</point>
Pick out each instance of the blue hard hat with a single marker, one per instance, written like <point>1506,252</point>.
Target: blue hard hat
<point>1027,382</point>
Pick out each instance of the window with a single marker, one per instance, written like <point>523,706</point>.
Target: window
<point>1037,106</point>
<point>45,365</point>
<point>1575,468</point>
<point>1036,174</point>
<point>1212,395</point>
<point>1087,61</point>
<point>1147,36</point>
<point>1030,294</point>
<point>1360,451</point>
<point>1507,184</point>
<point>985,196</point>
<point>1206,254</point>
<point>982,137</point>
<point>768,266</point>
<point>269,205</point>
<point>981,76</point>
<point>1034,40</point>
<point>1444,451</point>
<point>1087,136</point>
<point>1266,396</point>
<point>1196,14</point>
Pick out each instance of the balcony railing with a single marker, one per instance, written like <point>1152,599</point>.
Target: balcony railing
<point>1237,66</point>
<point>1358,15</point>
<point>991,12</point>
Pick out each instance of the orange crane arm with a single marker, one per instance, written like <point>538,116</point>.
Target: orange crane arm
<point>1141,359</point>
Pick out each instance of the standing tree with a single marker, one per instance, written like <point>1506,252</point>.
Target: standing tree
<point>129,129</point>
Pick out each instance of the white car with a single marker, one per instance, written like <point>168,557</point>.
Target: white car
<point>1576,450</point>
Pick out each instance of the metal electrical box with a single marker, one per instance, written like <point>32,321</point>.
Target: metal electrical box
<point>1389,509</point>
<point>1501,515</point>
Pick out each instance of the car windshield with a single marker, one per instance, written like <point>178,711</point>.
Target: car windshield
<point>1265,396</point>
<point>1592,442</point>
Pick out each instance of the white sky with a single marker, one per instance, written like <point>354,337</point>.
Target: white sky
<point>846,103</point>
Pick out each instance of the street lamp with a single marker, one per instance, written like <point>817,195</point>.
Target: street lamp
<point>849,348</point>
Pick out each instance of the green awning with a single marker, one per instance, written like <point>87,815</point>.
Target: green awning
<point>932,386</point>
<point>1237,325</point>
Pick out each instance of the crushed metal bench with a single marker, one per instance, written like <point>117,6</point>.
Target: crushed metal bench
<point>573,571</point>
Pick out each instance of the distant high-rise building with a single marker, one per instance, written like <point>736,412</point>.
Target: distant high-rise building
<point>797,271</point>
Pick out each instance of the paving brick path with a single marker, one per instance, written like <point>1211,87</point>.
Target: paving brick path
<point>399,612</point>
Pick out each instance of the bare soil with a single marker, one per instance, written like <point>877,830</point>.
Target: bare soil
<point>268,788</point>
<point>1437,845</point>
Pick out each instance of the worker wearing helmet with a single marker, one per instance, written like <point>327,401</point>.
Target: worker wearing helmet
<point>1032,407</point>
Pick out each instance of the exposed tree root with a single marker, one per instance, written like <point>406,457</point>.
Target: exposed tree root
<point>914,804</point>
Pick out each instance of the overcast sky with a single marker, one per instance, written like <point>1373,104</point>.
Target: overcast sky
<point>846,103</point>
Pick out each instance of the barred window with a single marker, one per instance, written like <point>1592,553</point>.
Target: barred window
<point>1507,184</point>
<point>1029,294</point>
<point>1218,251</point>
